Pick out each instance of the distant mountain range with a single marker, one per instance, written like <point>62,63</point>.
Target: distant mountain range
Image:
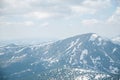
<point>82,57</point>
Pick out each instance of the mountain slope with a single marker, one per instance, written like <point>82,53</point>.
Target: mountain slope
<point>68,56</point>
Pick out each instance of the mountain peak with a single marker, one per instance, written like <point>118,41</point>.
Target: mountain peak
<point>86,37</point>
<point>89,34</point>
<point>93,37</point>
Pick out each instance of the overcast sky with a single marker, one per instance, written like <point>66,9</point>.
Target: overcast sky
<point>57,19</point>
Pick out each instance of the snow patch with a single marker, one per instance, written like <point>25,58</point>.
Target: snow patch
<point>83,54</point>
<point>83,77</point>
<point>106,54</point>
<point>17,58</point>
<point>72,57</point>
<point>90,75</point>
<point>19,50</point>
<point>2,54</point>
<point>79,44</point>
<point>74,49</point>
<point>95,60</point>
<point>35,63</point>
<point>100,76</point>
<point>114,50</point>
<point>114,70</point>
<point>72,44</point>
<point>100,41</point>
<point>51,60</point>
<point>27,70</point>
<point>70,61</point>
<point>45,52</point>
<point>93,37</point>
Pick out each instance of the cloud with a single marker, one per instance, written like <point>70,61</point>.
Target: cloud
<point>45,24</point>
<point>29,23</point>
<point>41,9</point>
<point>90,22</point>
<point>23,15</point>
<point>39,14</point>
<point>16,24</point>
<point>117,2</point>
<point>44,9</point>
<point>98,4</point>
<point>5,23</point>
<point>115,18</point>
<point>82,10</point>
<point>15,3</point>
<point>90,6</point>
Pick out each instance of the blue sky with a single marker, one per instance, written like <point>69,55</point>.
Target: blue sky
<point>57,19</point>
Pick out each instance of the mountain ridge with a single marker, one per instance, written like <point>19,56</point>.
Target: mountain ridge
<point>87,51</point>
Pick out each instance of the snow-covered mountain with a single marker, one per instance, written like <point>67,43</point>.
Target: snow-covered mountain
<point>82,57</point>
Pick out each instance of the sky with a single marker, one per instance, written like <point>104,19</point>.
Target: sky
<point>58,19</point>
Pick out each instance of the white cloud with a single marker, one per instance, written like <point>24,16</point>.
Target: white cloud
<point>39,14</point>
<point>45,9</point>
<point>29,23</point>
<point>90,22</point>
<point>15,24</point>
<point>45,24</point>
<point>115,18</point>
<point>15,16</point>
<point>16,3</point>
<point>82,10</point>
<point>5,23</point>
<point>90,6</point>
<point>98,4</point>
